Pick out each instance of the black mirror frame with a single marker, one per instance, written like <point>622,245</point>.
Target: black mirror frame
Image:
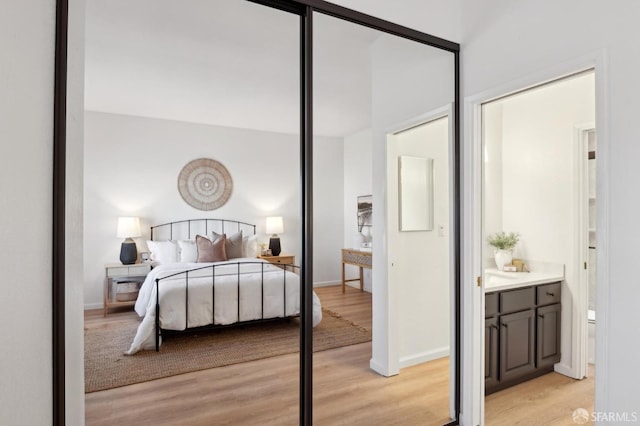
<point>305,9</point>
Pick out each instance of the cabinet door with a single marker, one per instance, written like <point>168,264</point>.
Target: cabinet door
<point>490,352</point>
<point>517,344</point>
<point>548,330</point>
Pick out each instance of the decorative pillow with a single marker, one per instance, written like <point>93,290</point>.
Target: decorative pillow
<point>250,246</point>
<point>233,246</point>
<point>163,251</point>
<point>209,251</point>
<point>188,251</point>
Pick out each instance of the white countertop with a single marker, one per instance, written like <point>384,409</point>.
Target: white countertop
<point>496,280</point>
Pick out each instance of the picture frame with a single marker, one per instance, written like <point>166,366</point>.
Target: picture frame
<point>365,210</point>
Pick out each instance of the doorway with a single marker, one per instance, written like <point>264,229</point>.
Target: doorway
<point>534,203</point>
<point>419,218</point>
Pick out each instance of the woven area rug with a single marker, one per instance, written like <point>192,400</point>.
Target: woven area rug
<point>106,366</point>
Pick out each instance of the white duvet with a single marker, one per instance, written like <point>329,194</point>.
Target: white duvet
<point>173,296</point>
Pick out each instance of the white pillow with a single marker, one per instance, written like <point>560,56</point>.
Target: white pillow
<point>188,251</point>
<point>250,246</point>
<point>163,251</point>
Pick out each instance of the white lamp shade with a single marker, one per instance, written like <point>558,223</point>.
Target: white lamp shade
<point>128,227</point>
<point>275,225</point>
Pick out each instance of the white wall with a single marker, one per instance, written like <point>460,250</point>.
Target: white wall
<point>358,174</point>
<point>74,291</point>
<point>328,193</point>
<point>538,185</point>
<point>132,166</point>
<point>492,157</point>
<point>408,81</point>
<point>506,41</point>
<point>437,17</point>
<point>421,273</point>
<point>26,131</point>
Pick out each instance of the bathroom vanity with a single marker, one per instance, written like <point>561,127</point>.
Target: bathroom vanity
<point>522,328</point>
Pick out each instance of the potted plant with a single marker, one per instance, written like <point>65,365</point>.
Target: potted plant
<point>503,244</point>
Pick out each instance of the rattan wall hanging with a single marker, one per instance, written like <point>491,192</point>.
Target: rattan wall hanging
<point>205,184</point>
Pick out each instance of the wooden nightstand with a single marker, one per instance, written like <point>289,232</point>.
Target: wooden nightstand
<point>122,283</point>
<point>283,259</point>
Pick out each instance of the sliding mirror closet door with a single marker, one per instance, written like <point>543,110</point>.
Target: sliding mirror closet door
<point>383,150</point>
<point>192,113</point>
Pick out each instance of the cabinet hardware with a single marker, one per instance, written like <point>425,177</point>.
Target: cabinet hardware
<point>550,294</point>
<point>494,326</point>
<point>479,281</point>
<point>504,325</point>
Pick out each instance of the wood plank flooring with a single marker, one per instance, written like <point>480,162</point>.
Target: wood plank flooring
<point>547,400</point>
<point>346,390</point>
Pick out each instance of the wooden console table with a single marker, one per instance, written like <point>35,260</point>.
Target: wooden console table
<point>358,258</point>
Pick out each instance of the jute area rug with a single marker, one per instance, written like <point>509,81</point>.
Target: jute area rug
<point>106,366</point>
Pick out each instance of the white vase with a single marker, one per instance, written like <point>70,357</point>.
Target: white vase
<point>503,257</point>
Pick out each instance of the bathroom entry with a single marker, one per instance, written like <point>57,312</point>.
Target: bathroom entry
<point>535,181</point>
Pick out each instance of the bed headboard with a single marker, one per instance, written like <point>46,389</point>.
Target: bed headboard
<point>188,229</point>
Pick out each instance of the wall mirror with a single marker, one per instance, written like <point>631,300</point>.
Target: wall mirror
<point>392,97</point>
<point>416,193</point>
<point>166,83</point>
<point>187,58</point>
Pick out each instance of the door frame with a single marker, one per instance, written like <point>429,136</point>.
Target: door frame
<point>63,327</point>
<point>580,338</point>
<point>473,300</point>
<point>393,309</point>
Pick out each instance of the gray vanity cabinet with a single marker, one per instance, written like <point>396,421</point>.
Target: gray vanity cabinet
<point>548,327</point>
<point>522,334</point>
<point>517,344</point>
<point>491,351</point>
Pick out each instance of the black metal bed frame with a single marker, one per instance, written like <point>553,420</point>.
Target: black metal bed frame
<point>221,226</point>
<point>213,326</point>
<point>207,226</point>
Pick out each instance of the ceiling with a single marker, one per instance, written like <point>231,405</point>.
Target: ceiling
<point>223,62</point>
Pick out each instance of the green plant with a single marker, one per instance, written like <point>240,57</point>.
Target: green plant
<point>503,241</point>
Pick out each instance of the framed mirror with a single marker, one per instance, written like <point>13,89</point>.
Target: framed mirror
<point>416,193</point>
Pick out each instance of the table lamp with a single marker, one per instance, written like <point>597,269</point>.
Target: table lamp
<point>274,227</point>
<point>128,228</point>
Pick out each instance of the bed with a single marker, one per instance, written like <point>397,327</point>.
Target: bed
<point>182,295</point>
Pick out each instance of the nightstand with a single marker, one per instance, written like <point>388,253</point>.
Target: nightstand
<point>122,283</point>
<point>283,259</point>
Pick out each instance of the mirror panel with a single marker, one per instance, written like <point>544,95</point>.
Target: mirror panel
<point>382,97</point>
<point>167,83</point>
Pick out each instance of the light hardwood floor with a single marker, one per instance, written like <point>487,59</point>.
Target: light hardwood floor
<point>346,391</point>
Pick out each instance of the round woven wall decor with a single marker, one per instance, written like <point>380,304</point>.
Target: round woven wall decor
<point>205,184</point>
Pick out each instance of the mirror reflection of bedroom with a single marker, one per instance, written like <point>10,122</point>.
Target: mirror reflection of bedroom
<point>193,230</point>
<point>192,113</point>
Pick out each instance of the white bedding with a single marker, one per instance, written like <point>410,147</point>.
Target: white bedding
<point>173,304</point>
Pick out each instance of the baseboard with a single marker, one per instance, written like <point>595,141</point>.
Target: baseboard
<point>419,358</point>
<point>565,370</point>
<point>326,283</point>
<point>379,368</point>
<point>89,306</point>
<point>332,283</point>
